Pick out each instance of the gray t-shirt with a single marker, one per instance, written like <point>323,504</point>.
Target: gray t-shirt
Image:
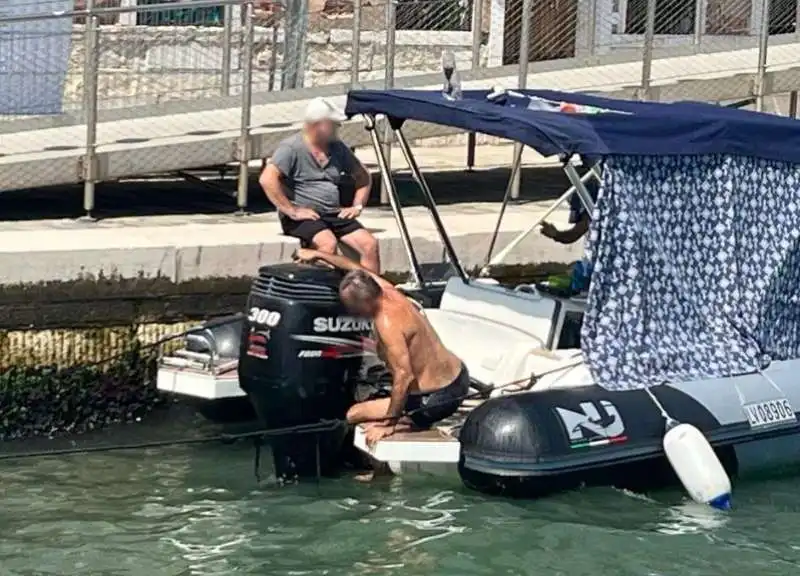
<point>311,185</point>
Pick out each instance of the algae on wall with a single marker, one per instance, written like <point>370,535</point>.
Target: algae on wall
<point>47,401</point>
<point>57,382</point>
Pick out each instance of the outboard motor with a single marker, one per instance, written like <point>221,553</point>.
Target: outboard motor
<point>299,362</point>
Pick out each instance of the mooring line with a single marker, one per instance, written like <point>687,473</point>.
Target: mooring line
<point>315,428</point>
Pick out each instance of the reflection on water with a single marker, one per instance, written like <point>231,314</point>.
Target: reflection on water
<point>198,511</point>
<point>691,518</point>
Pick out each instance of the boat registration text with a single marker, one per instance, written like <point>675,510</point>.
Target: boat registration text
<point>769,413</point>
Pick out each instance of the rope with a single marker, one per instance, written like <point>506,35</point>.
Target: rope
<point>257,435</point>
<point>315,428</point>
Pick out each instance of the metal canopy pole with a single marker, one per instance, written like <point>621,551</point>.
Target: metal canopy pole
<point>227,40</point>
<point>394,202</point>
<point>699,21</point>
<point>294,44</point>
<point>506,197</point>
<point>593,173</point>
<point>426,191</point>
<point>577,182</point>
<point>797,22</point>
<point>524,56</point>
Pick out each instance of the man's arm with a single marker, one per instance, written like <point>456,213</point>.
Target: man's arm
<point>271,181</point>
<point>570,235</point>
<point>398,361</point>
<point>340,262</point>
<point>363,182</point>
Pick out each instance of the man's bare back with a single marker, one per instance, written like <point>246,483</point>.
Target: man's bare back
<point>432,365</point>
<point>428,381</point>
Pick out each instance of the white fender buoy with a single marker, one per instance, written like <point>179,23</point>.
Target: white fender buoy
<point>697,466</point>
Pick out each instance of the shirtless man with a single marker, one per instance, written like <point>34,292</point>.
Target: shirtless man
<point>428,381</point>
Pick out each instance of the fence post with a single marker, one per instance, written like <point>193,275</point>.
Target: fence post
<point>524,56</point>
<point>227,39</point>
<point>647,52</point>
<point>246,58</point>
<point>356,44</point>
<point>477,36</point>
<point>89,160</point>
<point>699,21</point>
<point>295,31</point>
<point>273,53</point>
<point>763,43</point>
<point>388,82</point>
<point>797,21</point>
<point>592,27</point>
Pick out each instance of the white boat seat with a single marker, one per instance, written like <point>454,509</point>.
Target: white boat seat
<point>492,351</point>
<point>527,312</point>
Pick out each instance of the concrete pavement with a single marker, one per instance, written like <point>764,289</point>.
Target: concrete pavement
<point>183,248</point>
<point>180,243</point>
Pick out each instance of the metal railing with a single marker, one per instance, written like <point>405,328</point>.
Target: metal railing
<point>62,67</point>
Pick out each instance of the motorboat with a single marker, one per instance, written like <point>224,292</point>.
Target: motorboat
<point>691,314</point>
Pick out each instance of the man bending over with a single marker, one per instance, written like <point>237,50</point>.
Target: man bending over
<point>428,381</point>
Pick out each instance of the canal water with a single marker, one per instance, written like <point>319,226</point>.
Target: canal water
<point>198,510</point>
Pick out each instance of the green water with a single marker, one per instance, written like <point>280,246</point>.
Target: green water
<point>198,511</point>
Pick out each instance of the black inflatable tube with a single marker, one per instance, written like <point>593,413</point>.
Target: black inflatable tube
<point>724,437</point>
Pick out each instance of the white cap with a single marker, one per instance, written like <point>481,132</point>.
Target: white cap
<point>320,109</point>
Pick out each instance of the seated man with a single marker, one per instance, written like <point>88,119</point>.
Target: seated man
<point>303,180</point>
<point>428,381</point>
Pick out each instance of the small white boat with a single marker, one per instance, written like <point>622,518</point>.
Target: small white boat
<point>674,327</point>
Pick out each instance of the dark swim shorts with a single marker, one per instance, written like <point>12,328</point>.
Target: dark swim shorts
<point>305,230</point>
<point>427,409</point>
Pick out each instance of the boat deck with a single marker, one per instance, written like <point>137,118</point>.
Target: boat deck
<point>435,445</point>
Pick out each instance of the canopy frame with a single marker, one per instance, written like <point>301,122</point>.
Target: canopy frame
<point>417,277</point>
<point>585,198</point>
<point>394,200</point>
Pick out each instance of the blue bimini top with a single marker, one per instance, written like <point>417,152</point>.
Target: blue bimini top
<point>562,123</point>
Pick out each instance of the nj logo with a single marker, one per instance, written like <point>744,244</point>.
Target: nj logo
<point>598,420</point>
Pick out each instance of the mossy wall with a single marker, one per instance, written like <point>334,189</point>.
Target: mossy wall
<point>55,339</point>
<point>50,401</point>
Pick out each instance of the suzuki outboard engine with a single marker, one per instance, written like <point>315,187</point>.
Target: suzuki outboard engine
<point>299,362</point>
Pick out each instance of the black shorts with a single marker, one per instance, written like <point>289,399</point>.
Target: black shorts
<point>305,230</point>
<point>425,410</point>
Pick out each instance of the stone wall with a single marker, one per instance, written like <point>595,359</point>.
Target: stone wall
<point>141,65</point>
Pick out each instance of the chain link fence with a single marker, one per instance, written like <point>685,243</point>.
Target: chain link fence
<point>170,85</point>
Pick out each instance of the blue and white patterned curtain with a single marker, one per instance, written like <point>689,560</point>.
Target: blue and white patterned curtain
<point>696,269</point>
